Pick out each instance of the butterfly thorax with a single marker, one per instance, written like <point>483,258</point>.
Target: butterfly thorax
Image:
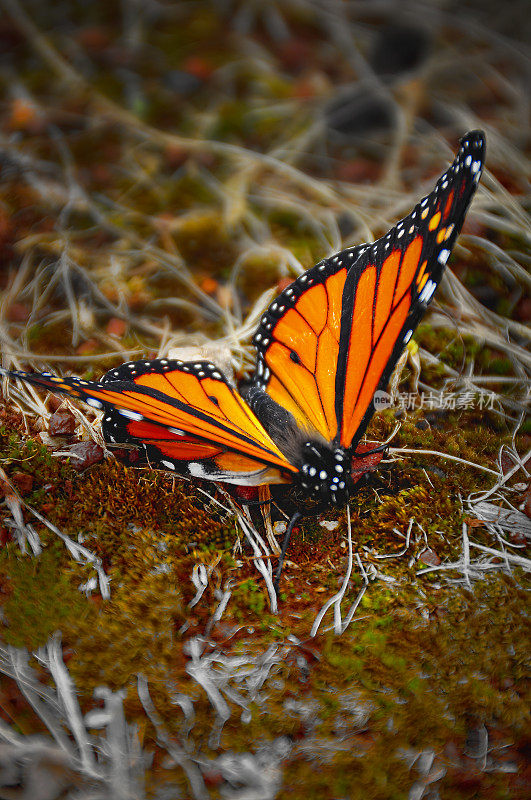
<point>324,468</point>
<point>325,472</point>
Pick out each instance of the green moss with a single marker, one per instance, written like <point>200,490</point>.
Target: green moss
<point>135,631</point>
<point>204,242</point>
<point>43,597</point>
<point>421,660</point>
<point>20,451</point>
<point>501,366</point>
<point>252,595</point>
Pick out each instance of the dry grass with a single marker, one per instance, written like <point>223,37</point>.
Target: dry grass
<point>181,230</point>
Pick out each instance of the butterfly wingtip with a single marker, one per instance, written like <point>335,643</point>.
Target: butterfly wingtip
<point>7,373</point>
<point>473,140</point>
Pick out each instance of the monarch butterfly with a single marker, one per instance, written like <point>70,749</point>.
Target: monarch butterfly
<point>327,343</point>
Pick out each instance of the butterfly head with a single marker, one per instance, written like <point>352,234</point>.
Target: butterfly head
<point>325,472</point>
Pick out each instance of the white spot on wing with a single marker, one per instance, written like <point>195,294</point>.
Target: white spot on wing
<point>197,470</point>
<point>130,414</point>
<point>427,293</point>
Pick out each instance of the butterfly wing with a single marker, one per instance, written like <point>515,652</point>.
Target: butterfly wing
<point>298,347</point>
<point>333,337</point>
<point>389,291</point>
<point>181,416</point>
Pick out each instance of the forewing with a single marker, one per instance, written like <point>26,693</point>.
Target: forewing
<point>391,284</point>
<point>181,416</point>
<point>333,337</point>
<point>298,345</point>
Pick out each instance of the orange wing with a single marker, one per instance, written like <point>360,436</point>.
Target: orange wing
<point>298,348</point>
<point>333,337</point>
<point>180,416</point>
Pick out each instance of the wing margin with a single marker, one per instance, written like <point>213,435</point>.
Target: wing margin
<point>127,402</point>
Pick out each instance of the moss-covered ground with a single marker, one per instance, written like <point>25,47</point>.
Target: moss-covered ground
<point>150,198</point>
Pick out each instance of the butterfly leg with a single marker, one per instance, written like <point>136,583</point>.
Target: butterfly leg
<point>287,536</point>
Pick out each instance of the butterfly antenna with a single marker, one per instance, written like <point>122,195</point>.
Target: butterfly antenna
<point>287,536</point>
<point>255,503</point>
<point>381,447</point>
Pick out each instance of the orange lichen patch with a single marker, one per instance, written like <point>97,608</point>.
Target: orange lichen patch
<point>209,285</point>
<point>87,348</point>
<point>198,66</point>
<point>116,327</point>
<point>24,115</point>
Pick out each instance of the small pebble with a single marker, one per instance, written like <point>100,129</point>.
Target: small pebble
<point>62,423</point>
<point>330,525</point>
<point>23,482</point>
<point>85,454</point>
<point>430,558</point>
<point>116,327</point>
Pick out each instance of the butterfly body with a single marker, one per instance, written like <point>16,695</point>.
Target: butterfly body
<point>323,467</point>
<point>327,343</point>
